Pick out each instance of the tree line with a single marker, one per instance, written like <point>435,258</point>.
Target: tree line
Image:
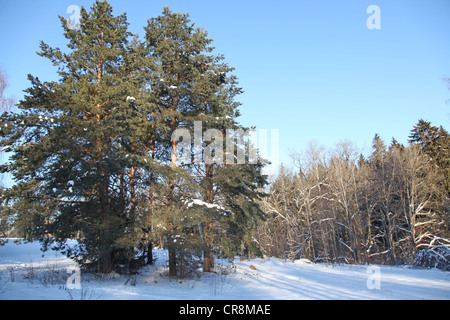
<point>337,206</point>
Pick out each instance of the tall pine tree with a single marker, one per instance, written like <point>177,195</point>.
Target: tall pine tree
<point>68,140</point>
<point>192,86</point>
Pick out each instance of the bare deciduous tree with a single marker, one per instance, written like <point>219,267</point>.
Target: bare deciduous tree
<point>386,209</point>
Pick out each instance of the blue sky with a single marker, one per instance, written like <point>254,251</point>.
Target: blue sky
<point>311,69</point>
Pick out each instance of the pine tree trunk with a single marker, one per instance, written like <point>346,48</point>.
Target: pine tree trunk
<point>132,195</point>
<point>172,262</point>
<point>105,261</point>
<point>105,265</point>
<point>172,251</point>
<point>212,260</point>
<point>206,260</point>
<point>150,209</point>
<point>150,254</point>
<point>208,255</point>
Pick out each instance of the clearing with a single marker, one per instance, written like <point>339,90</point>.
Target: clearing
<point>28,273</point>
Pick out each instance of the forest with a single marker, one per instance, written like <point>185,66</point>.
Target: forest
<point>338,206</point>
<point>94,157</point>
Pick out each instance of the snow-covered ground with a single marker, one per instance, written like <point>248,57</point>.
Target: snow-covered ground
<point>28,273</point>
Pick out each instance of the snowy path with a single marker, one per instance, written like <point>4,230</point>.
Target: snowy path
<point>26,274</point>
<point>275,279</point>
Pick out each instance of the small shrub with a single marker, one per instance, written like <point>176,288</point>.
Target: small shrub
<point>435,257</point>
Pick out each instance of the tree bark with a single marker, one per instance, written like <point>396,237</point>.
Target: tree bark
<point>172,262</point>
<point>148,228</point>
<point>173,163</point>
<point>133,200</point>
<point>105,261</point>
<point>150,254</point>
<point>208,254</point>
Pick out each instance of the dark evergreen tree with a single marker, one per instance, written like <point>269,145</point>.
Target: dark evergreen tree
<point>192,86</point>
<point>435,142</point>
<point>68,140</point>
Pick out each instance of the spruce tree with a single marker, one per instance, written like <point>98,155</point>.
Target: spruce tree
<point>435,142</point>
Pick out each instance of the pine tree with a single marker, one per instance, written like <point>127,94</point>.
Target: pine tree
<point>175,48</point>
<point>68,140</point>
<point>191,85</point>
